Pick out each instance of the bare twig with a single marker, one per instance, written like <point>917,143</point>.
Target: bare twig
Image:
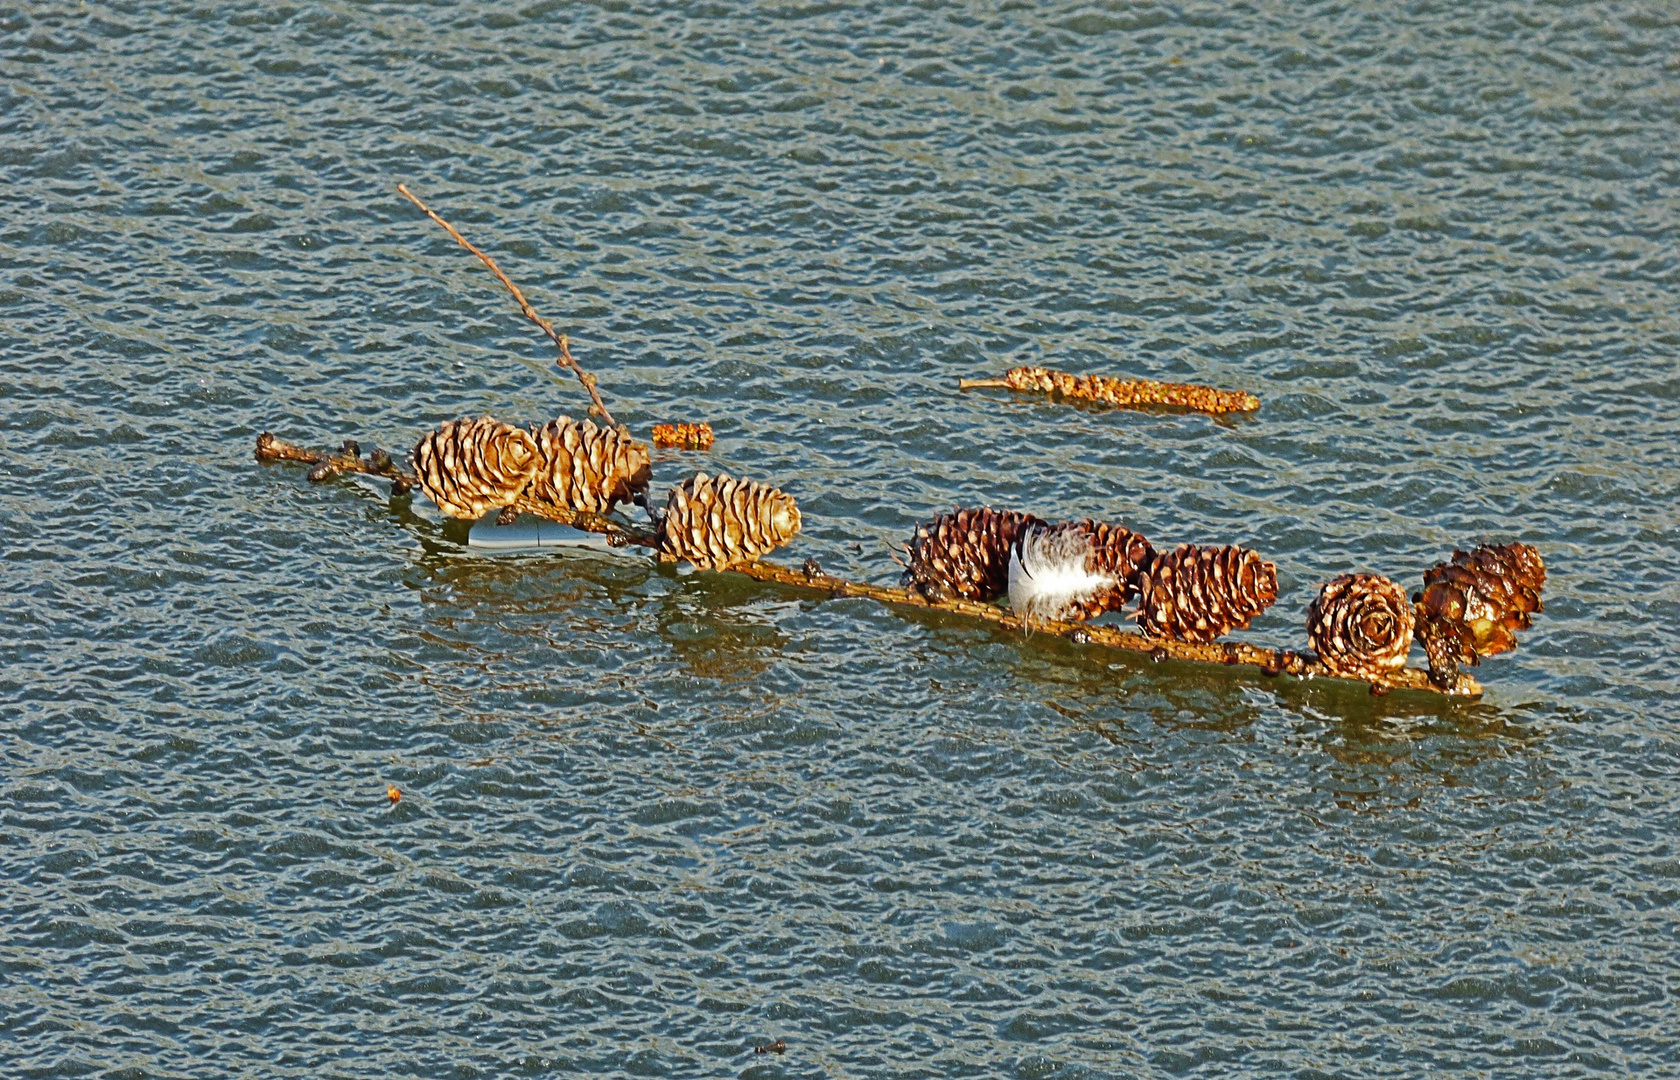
<point>598,407</point>
<point>618,533</point>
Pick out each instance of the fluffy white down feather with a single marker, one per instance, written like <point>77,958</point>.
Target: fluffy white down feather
<point>1050,571</point>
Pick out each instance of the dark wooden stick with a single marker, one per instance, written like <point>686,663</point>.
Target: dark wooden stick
<point>328,464</point>
<point>597,406</point>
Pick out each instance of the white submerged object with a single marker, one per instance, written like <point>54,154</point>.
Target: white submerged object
<point>531,534</point>
<point>1050,574</point>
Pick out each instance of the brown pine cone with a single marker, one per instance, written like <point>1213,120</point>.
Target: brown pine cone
<point>963,555</point>
<point>1199,593</point>
<point>1472,607</point>
<point>719,522</point>
<point>470,467</point>
<point>586,468</point>
<point>1361,626</point>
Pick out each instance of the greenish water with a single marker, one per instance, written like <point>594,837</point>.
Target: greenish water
<point>651,821</point>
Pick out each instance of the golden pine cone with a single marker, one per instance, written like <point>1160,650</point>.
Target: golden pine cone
<point>719,522</point>
<point>1199,593</point>
<point>1361,626</point>
<point>470,467</point>
<point>963,555</point>
<point>1473,606</point>
<point>582,467</point>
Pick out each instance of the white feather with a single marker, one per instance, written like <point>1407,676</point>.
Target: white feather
<point>1050,571</point>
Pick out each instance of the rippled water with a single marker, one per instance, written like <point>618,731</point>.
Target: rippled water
<point>652,821</point>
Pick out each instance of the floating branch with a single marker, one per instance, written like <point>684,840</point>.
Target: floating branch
<point>683,436</point>
<point>1270,662</point>
<point>1132,394</point>
<point>597,406</point>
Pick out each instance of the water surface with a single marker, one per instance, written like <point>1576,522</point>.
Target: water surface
<point>651,821</point>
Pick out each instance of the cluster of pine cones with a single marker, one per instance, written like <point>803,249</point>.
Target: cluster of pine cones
<point>564,468</point>
<point>1361,625</point>
<point>1193,593</point>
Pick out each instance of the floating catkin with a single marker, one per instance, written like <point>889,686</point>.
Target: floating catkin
<point>1130,393</point>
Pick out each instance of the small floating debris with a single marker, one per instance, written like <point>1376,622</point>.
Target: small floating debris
<point>683,436</point>
<point>393,793</point>
<point>777,1047</point>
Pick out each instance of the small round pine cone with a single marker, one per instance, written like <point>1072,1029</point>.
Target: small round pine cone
<point>586,468</point>
<point>716,523</point>
<point>470,467</point>
<point>1361,626</point>
<point>1472,607</point>
<point>963,555</point>
<point>1196,593</point>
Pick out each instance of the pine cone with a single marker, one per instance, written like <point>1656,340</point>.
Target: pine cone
<point>470,467</point>
<point>583,467</point>
<point>1473,606</point>
<point>722,522</point>
<point>1198,593</point>
<point>963,555</point>
<point>1361,626</point>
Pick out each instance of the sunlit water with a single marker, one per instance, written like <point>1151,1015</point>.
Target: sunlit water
<point>652,821</point>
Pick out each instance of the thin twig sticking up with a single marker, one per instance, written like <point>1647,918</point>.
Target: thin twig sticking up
<point>598,408</point>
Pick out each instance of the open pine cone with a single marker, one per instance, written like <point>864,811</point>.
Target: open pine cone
<point>1473,606</point>
<point>1199,593</point>
<point>963,555</point>
<point>1361,626</point>
<point>719,522</point>
<point>583,467</point>
<point>470,467</point>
